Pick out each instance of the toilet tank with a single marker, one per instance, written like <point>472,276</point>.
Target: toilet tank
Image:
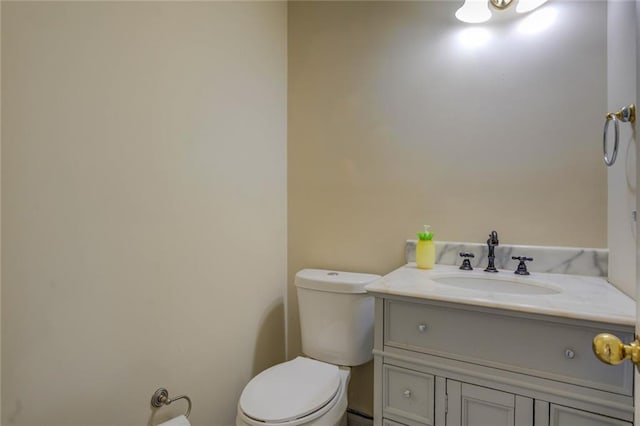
<point>336,315</point>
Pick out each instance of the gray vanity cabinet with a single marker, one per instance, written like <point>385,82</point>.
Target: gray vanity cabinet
<point>446,364</point>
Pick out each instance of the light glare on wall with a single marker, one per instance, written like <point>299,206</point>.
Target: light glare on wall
<point>474,37</point>
<point>538,21</point>
<point>525,6</point>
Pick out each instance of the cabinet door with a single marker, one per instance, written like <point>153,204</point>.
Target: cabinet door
<point>565,416</point>
<point>470,405</point>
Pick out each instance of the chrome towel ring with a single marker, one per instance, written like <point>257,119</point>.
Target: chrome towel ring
<point>161,397</point>
<point>626,114</point>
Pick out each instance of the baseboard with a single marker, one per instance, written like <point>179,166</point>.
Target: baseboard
<point>355,418</point>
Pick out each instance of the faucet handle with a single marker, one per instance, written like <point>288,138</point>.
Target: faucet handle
<point>466,264</point>
<point>493,239</point>
<point>522,266</point>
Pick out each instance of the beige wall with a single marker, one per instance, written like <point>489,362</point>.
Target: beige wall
<point>395,122</point>
<point>143,207</point>
<point>143,170</point>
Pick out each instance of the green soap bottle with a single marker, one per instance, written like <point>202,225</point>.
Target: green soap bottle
<point>425,249</point>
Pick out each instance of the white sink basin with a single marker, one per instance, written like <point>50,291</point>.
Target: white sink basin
<point>497,284</point>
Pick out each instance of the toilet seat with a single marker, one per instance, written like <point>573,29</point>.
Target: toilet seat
<point>295,389</point>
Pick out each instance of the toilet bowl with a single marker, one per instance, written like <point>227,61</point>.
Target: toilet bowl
<point>336,324</point>
<point>299,392</point>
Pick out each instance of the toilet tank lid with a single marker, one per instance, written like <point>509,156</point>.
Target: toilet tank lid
<point>334,281</point>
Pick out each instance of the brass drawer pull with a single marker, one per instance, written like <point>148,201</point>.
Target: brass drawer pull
<point>407,393</point>
<point>422,328</point>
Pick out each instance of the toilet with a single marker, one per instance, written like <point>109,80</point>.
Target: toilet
<point>336,323</point>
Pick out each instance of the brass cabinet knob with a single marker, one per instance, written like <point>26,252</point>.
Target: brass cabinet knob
<point>610,349</point>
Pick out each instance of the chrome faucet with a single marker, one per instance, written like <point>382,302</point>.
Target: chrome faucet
<point>492,243</point>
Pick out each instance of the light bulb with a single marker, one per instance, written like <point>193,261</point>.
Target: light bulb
<point>525,6</point>
<point>474,11</point>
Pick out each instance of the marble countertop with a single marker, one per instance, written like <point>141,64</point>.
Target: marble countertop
<point>578,297</point>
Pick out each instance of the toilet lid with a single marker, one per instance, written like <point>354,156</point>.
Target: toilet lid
<point>290,390</point>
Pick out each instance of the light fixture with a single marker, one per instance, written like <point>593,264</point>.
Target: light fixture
<point>474,12</point>
<point>500,4</point>
<point>477,11</point>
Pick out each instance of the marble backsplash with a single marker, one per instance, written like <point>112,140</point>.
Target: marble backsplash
<point>558,260</point>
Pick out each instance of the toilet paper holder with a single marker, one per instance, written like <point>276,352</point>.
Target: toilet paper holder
<point>161,397</point>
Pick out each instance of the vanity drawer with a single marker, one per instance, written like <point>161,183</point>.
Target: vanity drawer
<point>553,350</point>
<point>408,394</point>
